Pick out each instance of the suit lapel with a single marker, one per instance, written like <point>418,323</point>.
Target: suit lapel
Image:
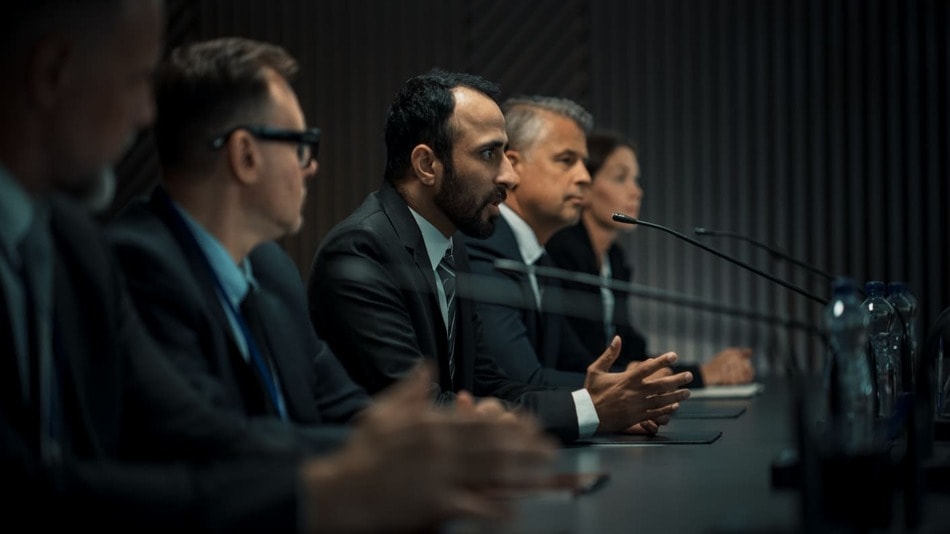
<point>508,247</point>
<point>411,238</point>
<point>543,328</point>
<point>548,335</point>
<point>292,369</point>
<point>161,204</point>
<point>465,342</point>
<point>584,253</point>
<point>619,270</point>
<point>82,349</point>
<point>409,234</point>
<point>246,380</point>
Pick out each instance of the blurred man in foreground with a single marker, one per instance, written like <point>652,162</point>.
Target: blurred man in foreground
<point>95,424</point>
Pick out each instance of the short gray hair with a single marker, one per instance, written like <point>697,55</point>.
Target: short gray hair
<point>523,117</point>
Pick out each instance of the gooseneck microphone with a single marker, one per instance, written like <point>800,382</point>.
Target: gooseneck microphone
<point>775,253</point>
<point>642,291</point>
<point>620,217</point>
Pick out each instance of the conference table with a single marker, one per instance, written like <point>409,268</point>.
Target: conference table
<point>725,486</point>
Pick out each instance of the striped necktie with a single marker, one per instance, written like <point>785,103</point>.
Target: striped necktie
<point>446,270</point>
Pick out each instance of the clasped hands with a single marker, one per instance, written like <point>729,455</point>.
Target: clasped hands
<point>638,399</point>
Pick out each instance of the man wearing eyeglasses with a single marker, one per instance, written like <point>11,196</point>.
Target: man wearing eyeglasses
<point>210,283</point>
<point>228,306</point>
<point>96,428</point>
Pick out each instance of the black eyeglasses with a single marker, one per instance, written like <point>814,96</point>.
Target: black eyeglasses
<point>308,141</point>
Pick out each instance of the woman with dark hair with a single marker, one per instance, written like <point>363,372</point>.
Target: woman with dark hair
<point>591,247</point>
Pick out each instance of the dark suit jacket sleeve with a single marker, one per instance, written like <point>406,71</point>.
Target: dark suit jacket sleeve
<point>181,347</point>
<point>175,304</point>
<point>357,305</point>
<point>173,420</point>
<point>241,471</point>
<point>162,292</point>
<point>337,397</point>
<point>123,495</point>
<point>637,344</point>
<point>553,406</point>
<point>140,447</point>
<point>372,298</point>
<point>506,333</point>
<point>370,301</point>
<point>571,249</point>
<point>116,494</point>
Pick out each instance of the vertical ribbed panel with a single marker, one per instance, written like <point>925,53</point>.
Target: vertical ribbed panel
<point>532,46</point>
<point>821,127</point>
<point>818,127</point>
<point>354,55</point>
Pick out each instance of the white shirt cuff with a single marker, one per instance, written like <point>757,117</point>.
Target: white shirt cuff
<point>587,420</point>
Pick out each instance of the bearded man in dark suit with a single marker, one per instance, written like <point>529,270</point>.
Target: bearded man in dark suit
<point>389,287</point>
<point>96,427</point>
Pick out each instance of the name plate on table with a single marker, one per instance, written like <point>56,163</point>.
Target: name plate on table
<point>691,437</point>
<point>742,391</point>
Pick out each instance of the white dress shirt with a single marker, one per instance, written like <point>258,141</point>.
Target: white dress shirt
<point>531,250</point>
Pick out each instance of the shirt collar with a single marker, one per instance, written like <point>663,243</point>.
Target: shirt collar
<point>436,242</point>
<point>16,213</point>
<point>235,279</point>
<point>531,249</point>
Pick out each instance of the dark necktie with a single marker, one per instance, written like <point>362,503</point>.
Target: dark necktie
<point>259,349</point>
<point>446,270</point>
<point>543,261</point>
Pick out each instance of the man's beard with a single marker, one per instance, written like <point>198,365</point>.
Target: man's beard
<point>456,202</point>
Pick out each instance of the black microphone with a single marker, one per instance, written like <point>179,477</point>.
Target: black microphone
<point>775,253</point>
<point>639,290</point>
<point>619,217</point>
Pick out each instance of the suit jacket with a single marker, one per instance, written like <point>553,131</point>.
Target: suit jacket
<point>571,249</point>
<point>373,299</point>
<point>139,447</point>
<point>172,286</point>
<point>528,342</point>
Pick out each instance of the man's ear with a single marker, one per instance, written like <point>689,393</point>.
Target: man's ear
<point>47,69</point>
<point>425,165</point>
<point>244,158</point>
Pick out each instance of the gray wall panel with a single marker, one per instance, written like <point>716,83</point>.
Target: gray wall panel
<point>818,126</point>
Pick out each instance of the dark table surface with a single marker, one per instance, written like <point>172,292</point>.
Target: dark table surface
<point>725,486</point>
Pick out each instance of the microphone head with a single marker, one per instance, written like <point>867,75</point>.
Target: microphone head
<point>620,217</point>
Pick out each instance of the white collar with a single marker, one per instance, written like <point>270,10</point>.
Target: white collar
<point>527,240</point>
<point>436,243</point>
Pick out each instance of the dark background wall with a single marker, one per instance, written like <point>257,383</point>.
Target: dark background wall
<point>820,127</point>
